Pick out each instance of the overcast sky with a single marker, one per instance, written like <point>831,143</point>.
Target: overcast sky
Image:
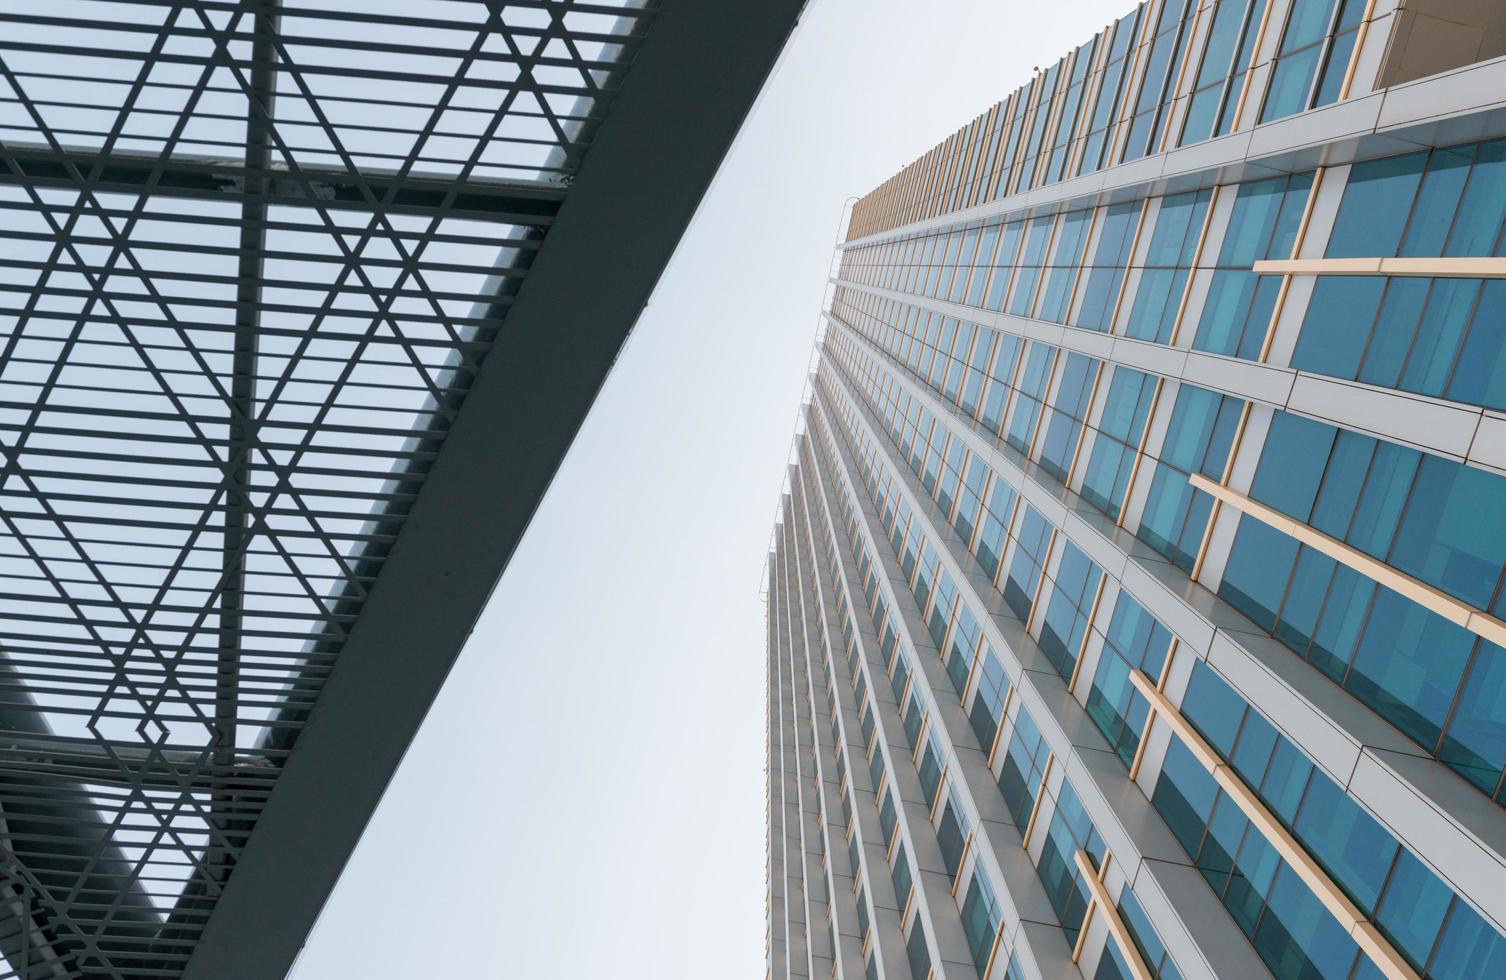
<point>587,796</point>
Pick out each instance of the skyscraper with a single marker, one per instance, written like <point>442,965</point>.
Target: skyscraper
<point>1136,604</point>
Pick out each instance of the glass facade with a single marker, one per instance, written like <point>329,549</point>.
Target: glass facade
<point>1179,501</point>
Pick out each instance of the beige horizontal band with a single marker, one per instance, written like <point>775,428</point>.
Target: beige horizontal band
<point>1100,897</point>
<point>1460,613</point>
<point>1361,930</point>
<point>1481,267</point>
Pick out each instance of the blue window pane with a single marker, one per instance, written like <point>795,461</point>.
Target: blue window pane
<point>1475,744</point>
<point>1257,211</point>
<point>916,951</point>
<point>1184,796</point>
<point>1028,273</point>
<point>1413,908</point>
<point>1298,937</point>
<point>1341,621</point>
<point>1286,779</point>
<point>1255,576</point>
<point>1439,334</point>
<point>1175,516</point>
<point>1336,65</point>
<point>1106,479</point>
<point>1212,706</point>
<point>1065,259</point>
<point>1289,84</point>
<point>1339,318</point>
<point>1380,503</point>
<point>1469,947</point>
<point>1355,849</point>
<point>1025,569</point>
<point>1345,476</point>
<point>1156,301</point>
<point>1311,577</point>
<point>1482,212</point>
<point>1395,327</point>
<point>1437,201</point>
<point>1451,535</point>
<point>1408,665</point>
<point>1102,286</point>
<point>1292,463</point>
<point>1480,377</point>
<point>1369,223</point>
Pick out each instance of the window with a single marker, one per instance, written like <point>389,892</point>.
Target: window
<point>1428,517</point>
<point>1313,57</point>
<point>1237,314</point>
<point>980,920</point>
<point>1448,201</point>
<point>1121,427</point>
<point>977,372</point>
<point>1152,949</point>
<point>1035,380</point>
<point>1004,265</point>
<point>1024,576</point>
<point>1220,78</point>
<point>1048,84</point>
<point>1070,831</point>
<point>1108,92</point>
<point>917,952</point>
<point>1291,931</point>
<point>1157,80</point>
<point>988,701</point>
<point>1023,767</point>
<point>951,836</point>
<point>1101,288</point>
<point>900,874</point>
<point>1198,439</point>
<point>995,528</point>
<point>1065,625</point>
<point>1437,337</point>
<point>1028,271</point>
<point>1359,854</point>
<point>1069,411</point>
<point>1134,641</point>
<point>1066,263</point>
<point>1001,380</point>
<point>1168,260</point>
<point>888,820</point>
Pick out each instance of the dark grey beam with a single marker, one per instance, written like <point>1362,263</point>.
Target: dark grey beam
<point>692,83</point>
<point>198,176</point>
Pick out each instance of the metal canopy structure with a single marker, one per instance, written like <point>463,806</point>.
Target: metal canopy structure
<point>301,304</point>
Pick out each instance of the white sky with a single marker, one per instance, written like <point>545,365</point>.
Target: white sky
<point>587,797</point>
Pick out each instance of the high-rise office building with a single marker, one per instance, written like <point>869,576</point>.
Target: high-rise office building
<point>1136,605</point>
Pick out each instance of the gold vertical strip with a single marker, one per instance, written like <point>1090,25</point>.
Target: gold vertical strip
<point>1090,87</point>
<point>1119,128</point>
<point>1286,280</point>
<point>1361,33</point>
<point>1098,375</point>
<point>1187,58</point>
<point>1129,265</point>
<point>1244,90</point>
<point>1202,548</point>
<point>1150,417</point>
<point>1197,259</point>
<point>1040,586</point>
<point>1082,649</point>
<point>1035,808</point>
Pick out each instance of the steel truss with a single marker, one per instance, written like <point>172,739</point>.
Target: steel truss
<point>254,257</point>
